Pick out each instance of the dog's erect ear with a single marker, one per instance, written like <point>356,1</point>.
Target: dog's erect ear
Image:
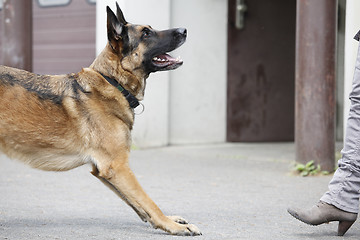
<point>120,14</point>
<point>114,28</point>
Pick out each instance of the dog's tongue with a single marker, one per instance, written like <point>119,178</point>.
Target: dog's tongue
<point>166,58</point>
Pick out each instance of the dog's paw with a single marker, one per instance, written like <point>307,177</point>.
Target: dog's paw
<point>189,230</point>
<point>178,219</point>
<point>181,227</point>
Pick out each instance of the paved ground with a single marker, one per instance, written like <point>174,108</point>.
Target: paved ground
<point>230,191</point>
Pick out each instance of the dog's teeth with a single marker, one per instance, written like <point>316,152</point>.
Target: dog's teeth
<point>160,59</point>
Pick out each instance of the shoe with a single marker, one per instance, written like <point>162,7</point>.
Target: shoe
<point>324,213</point>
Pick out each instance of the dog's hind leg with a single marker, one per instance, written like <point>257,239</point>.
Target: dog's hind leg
<point>118,177</point>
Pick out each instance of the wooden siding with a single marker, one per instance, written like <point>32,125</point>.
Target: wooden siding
<point>0,36</point>
<point>64,37</point>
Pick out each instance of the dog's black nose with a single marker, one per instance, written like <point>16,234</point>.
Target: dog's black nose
<point>181,32</point>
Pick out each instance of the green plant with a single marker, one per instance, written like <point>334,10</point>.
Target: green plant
<point>337,155</point>
<point>134,147</point>
<point>309,169</point>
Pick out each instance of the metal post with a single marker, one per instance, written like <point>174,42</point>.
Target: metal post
<point>315,82</point>
<point>16,34</point>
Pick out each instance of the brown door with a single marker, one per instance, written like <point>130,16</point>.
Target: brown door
<point>261,68</point>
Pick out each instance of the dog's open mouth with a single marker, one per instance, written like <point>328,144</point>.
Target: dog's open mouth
<point>166,62</point>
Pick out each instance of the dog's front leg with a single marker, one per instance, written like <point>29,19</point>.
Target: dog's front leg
<point>96,173</point>
<point>118,177</point>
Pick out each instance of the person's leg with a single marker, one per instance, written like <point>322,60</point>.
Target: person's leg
<point>341,202</point>
<point>345,185</point>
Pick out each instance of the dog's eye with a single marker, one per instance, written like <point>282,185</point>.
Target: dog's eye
<point>146,32</point>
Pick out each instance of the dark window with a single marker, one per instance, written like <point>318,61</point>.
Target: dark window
<point>89,1</point>
<point>53,3</point>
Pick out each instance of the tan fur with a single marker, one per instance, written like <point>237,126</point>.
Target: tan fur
<point>134,81</point>
<point>91,122</point>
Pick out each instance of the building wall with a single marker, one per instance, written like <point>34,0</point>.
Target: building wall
<point>1,5</point>
<point>198,89</point>
<point>186,105</point>
<point>63,37</point>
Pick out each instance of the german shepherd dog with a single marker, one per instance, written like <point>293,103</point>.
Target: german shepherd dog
<point>59,122</point>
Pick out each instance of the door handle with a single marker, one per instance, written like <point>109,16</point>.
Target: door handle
<point>240,10</point>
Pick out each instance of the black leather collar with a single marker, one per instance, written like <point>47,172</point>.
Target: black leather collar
<point>133,102</point>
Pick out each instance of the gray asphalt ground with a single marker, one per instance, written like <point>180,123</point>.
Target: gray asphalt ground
<point>230,191</point>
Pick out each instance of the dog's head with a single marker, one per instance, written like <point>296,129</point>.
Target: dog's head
<point>140,47</point>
